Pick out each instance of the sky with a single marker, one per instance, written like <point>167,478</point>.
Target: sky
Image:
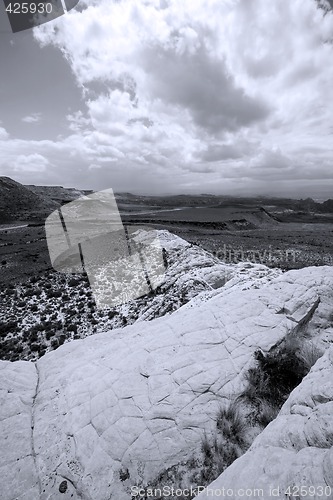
<point>162,96</point>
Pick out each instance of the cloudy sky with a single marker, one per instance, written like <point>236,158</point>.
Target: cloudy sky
<point>170,96</point>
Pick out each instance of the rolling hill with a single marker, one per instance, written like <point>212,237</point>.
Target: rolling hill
<point>19,202</point>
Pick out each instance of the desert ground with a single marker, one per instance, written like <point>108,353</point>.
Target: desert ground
<point>49,308</point>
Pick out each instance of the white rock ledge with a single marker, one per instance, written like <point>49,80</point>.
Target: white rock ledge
<point>140,398</point>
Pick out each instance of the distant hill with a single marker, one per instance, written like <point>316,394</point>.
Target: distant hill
<point>19,202</point>
<point>58,194</point>
<point>23,202</point>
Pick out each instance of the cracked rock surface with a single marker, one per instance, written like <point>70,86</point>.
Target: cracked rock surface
<point>139,399</point>
<point>18,383</point>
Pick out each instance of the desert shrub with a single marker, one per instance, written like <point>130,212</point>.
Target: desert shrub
<point>25,336</point>
<point>55,294</point>
<point>218,454</point>
<point>309,355</point>
<point>34,347</point>
<point>283,371</point>
<point>34,308</point>
<point>267,413</point>
<point>33,337</point>
<point>54,343</point>
<point>62,339</point>
<point>276,374</point>
<point>213,463</point>
<point>7,327</point>
<point>231,424</point>
<point>72,328</point>
<point>73,282</point>
<point>258,387</point>
<point>227,444</point>
<point>49,334</point>
<point>124,474</point>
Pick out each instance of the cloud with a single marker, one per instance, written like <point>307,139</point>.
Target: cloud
<point>3,134</point>
<point>31,163</point>
<point>217,152</point>
<point>33,118</point>
<point>193,95</point>
<point>78,122</point>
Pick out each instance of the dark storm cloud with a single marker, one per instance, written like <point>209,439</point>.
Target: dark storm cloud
<point>199,83</point>
<point>222,152</point>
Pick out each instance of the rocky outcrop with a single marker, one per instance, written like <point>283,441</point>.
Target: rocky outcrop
<point>131,402</point>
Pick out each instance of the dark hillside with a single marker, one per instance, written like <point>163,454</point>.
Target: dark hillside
<point>19,202</point>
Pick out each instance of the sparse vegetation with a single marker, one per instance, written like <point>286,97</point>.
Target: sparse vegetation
<point>275,375</point>
<point>227,444</point>
<point>217,452</point>
<point>54,304</point>
<point>230,424</point>
<point>268,384</point>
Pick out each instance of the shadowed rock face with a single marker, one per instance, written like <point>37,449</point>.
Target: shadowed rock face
<point>141,398</point>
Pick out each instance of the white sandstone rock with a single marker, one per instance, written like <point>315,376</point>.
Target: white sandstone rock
<point>142,397</point>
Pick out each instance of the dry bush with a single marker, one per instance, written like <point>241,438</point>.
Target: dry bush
<point>309,355</point>
<point>231,424</point>
<point>267,413</point>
